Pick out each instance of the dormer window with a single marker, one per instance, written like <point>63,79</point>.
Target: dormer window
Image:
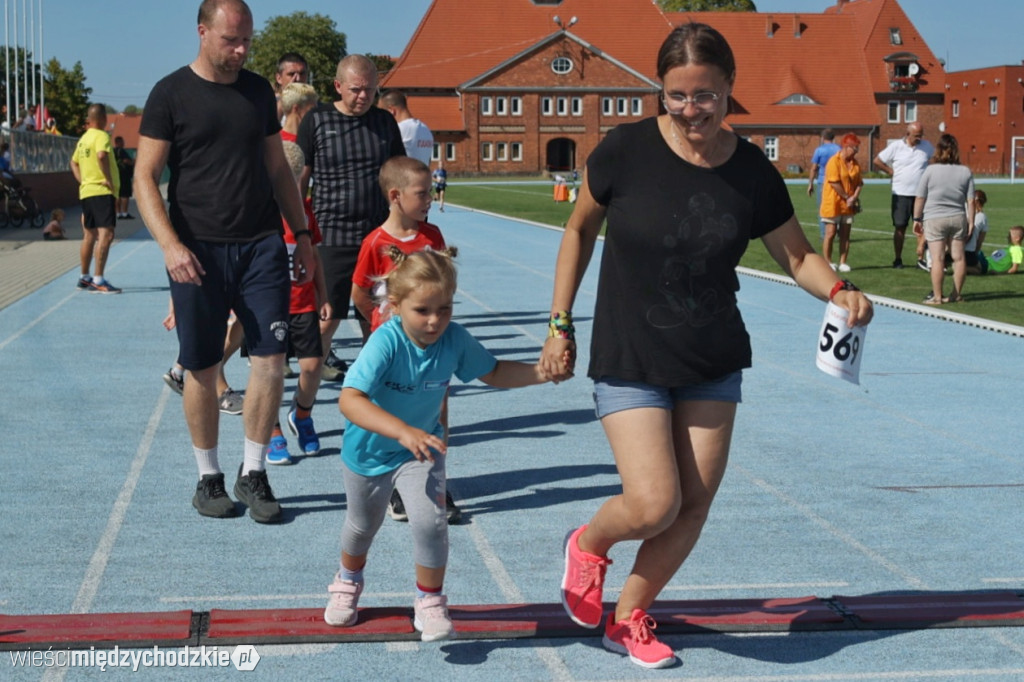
<point>894,36</point>
<point>798,98</point>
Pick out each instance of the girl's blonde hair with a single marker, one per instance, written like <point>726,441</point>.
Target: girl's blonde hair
<point>57,214</point>
<point>420,268</point>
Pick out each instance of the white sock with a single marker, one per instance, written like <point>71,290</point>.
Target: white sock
<point>96,279</point>
<point>206,460</point>
<point>254,457</point>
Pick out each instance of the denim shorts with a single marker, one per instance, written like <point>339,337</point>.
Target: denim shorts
<point>614,395</point>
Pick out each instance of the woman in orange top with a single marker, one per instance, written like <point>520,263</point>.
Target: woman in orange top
<point>840,199</point>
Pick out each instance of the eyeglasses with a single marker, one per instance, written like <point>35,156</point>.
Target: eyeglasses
<point>674,103</point>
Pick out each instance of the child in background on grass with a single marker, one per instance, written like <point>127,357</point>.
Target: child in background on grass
<point>977,264</point>
<point>308,305</point>
<point>1008,261</point>
<point>392,400</point>
<point>405,182</point>
<point>54,230</point>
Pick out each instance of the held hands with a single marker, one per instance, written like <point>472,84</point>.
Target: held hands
<point>326,311</point>
<point>420,443</point>
<point>557,359</point>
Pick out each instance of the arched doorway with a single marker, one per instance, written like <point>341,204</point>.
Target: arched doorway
<point>561,154</point>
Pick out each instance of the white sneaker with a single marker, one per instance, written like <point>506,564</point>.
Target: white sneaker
<point>843,267</point>
<point>832,265</point>
<point>342,609</point>
<point>432,618</point>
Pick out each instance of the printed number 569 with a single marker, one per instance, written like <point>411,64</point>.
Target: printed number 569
<point>842,349</point>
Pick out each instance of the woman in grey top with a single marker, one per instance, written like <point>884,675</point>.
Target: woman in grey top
<point>944,215</point>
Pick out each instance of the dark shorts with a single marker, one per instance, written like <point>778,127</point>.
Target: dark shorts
<point>304,336</point>
<point>250,278</point>
<point>99,212</point>
<point>615,395</point>
<point>125,191</point>
<point>339,262</point>
<point>902,210</point>
<point>440,186</point>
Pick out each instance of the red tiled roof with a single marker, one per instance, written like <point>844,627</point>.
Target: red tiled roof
<point>803,54</point>
<point>875,18</point>
<point>458,40</point>
<point>443,113</point>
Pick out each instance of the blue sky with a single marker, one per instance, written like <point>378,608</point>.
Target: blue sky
<point>122,59</point>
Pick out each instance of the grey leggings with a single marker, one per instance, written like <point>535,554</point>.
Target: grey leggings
<point>422,487</point>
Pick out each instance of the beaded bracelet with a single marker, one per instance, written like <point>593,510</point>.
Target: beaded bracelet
<point>561,327</point>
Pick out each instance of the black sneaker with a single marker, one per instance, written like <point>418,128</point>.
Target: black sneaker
<point>211,499</point>
<point>396,508</point>
<point>177,383</point>
<point>897,264</point>
<point>923,264</point>
<point>84,282</point>
<point>336,362</point>
<point>254,492</point>
<point>451,509</point>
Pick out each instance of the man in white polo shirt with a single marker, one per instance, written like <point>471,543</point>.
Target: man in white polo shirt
<point>905,160</point>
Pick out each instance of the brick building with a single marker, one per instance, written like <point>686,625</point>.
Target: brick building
<point>524,86</point>
<point>985,111</point>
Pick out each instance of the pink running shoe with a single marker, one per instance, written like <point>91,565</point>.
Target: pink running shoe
<point>342,609</point>
<point>635,637</point>
<point>432,619</point>
<point>583,582</point>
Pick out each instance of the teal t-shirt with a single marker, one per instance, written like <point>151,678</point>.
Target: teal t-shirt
<point>409,382</point>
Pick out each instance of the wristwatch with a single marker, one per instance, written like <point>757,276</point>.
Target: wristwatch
<point>842,285</point>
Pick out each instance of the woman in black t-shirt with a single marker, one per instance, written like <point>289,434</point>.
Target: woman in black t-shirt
<point>682,197</point>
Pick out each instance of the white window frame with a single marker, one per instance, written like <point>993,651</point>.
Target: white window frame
<point>910,111</point>
<point>576,106</point>
<point>893,107</point>
<point>955,109</point>
<point>621,106</point>
<point>501,106</point>
<point>562,106</point>
<point>515,106</point>
<point>516,151</point>
<point>562,59</point>
<point>547,106</point>
<point>993,106</point>
<point>501,151</point>
<point>771,147</point>
<point>449,151</point>
<point>637,106</point>
<point>486,151</point>
<point>607,106</point>
<point>485,107</point>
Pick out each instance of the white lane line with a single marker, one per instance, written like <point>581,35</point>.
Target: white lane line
<point>834,531</point>
<point>16,335</point>
<point>513,595</point>
<point>98,563</point>
<point>756,586</point>
<point>221,598</point>
<point>1009,581</point>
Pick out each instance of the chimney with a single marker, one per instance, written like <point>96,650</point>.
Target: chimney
<point>769,26</point>
<point>839,5</point>
<point>797,26</point>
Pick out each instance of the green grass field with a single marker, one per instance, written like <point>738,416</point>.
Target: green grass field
<point>998,298</point>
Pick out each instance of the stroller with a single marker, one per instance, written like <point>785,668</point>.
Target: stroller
<point>17,205</point>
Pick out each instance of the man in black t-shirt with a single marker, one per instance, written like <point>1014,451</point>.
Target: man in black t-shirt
<point>215,125</point>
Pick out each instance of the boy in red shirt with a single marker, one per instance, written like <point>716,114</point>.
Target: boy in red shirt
<point>406,183</point>
<point>304,342</point>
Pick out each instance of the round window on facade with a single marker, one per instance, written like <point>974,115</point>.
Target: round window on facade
<point>561,65</point>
